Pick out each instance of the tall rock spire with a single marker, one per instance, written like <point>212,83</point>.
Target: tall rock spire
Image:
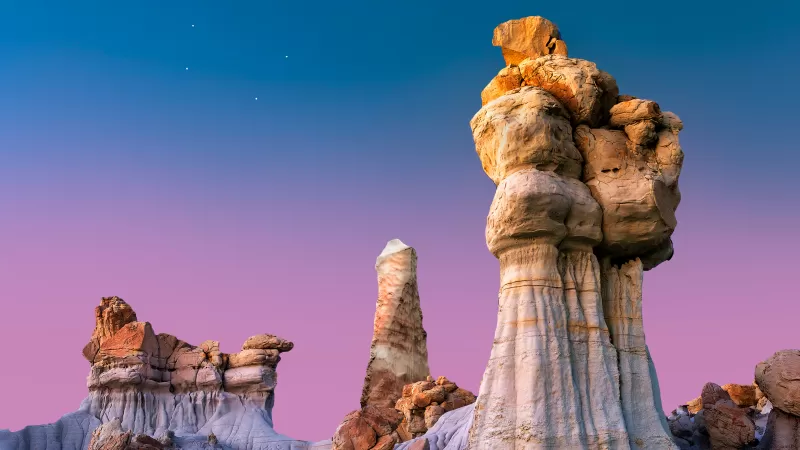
<point>399,353</point>
<point>586,197</point>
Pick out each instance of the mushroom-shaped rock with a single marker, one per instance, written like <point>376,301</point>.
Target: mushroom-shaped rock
<point>506,80</point>
<point>267,342</point>
<point>779,379</point>
<point>525,128</point>
<point>529,37</point>
<point>587,92</point>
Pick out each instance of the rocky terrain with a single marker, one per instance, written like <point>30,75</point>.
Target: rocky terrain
<point>764,415</point>
<point>586,197</point>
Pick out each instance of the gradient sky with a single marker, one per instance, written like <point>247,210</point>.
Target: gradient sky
<point>218,216</point>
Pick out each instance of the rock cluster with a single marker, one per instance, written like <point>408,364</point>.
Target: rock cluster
<point>587,188</point>
<point>370,428</point>
<point>399,352</point>
<point>424,402</point>
<point>764,415</point>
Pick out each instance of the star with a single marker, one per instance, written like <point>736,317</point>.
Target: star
<point>192,25</point>
<point>187,68</point>
<point>256,98</point>
<point>287,56</point>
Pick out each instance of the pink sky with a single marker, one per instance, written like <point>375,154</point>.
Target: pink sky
<point>215,269</point>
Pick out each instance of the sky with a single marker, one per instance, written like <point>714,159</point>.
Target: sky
<point>252,192</point>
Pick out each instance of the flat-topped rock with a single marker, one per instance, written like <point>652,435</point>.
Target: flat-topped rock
<point>267,342</point>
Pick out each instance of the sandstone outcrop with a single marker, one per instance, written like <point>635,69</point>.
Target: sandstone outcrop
<point>399,353</point>
<point>425,402</point>
<point>581,210</point>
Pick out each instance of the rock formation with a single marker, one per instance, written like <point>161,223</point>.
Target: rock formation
<point>145,384</point>
<point>425,402</point>
<point>586,197</point>
<point>399,353</point>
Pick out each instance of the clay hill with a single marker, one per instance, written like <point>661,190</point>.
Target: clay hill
<point>586,194</point>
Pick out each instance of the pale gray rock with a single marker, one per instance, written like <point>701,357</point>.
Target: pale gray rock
<point>451,431</point>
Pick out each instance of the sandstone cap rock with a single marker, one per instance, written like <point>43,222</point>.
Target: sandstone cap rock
<point>529,37</point>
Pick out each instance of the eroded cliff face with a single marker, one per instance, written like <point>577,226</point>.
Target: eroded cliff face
<point>585,202</point>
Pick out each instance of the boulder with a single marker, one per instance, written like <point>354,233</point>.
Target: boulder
<point>506,80</point>
<point>779,379</point>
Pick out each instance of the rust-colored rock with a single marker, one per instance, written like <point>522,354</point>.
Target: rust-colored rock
<point>110,436</point>
<point>370,428</point>
<point>529,37</point>
<point>744,395</point>
<point>131,339</point>
<point>424,402</point>
<point>111,315</point>
<point>694,406</point>
<point>506,80</point>
<point>587,92</point>
<point>729,427</point>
